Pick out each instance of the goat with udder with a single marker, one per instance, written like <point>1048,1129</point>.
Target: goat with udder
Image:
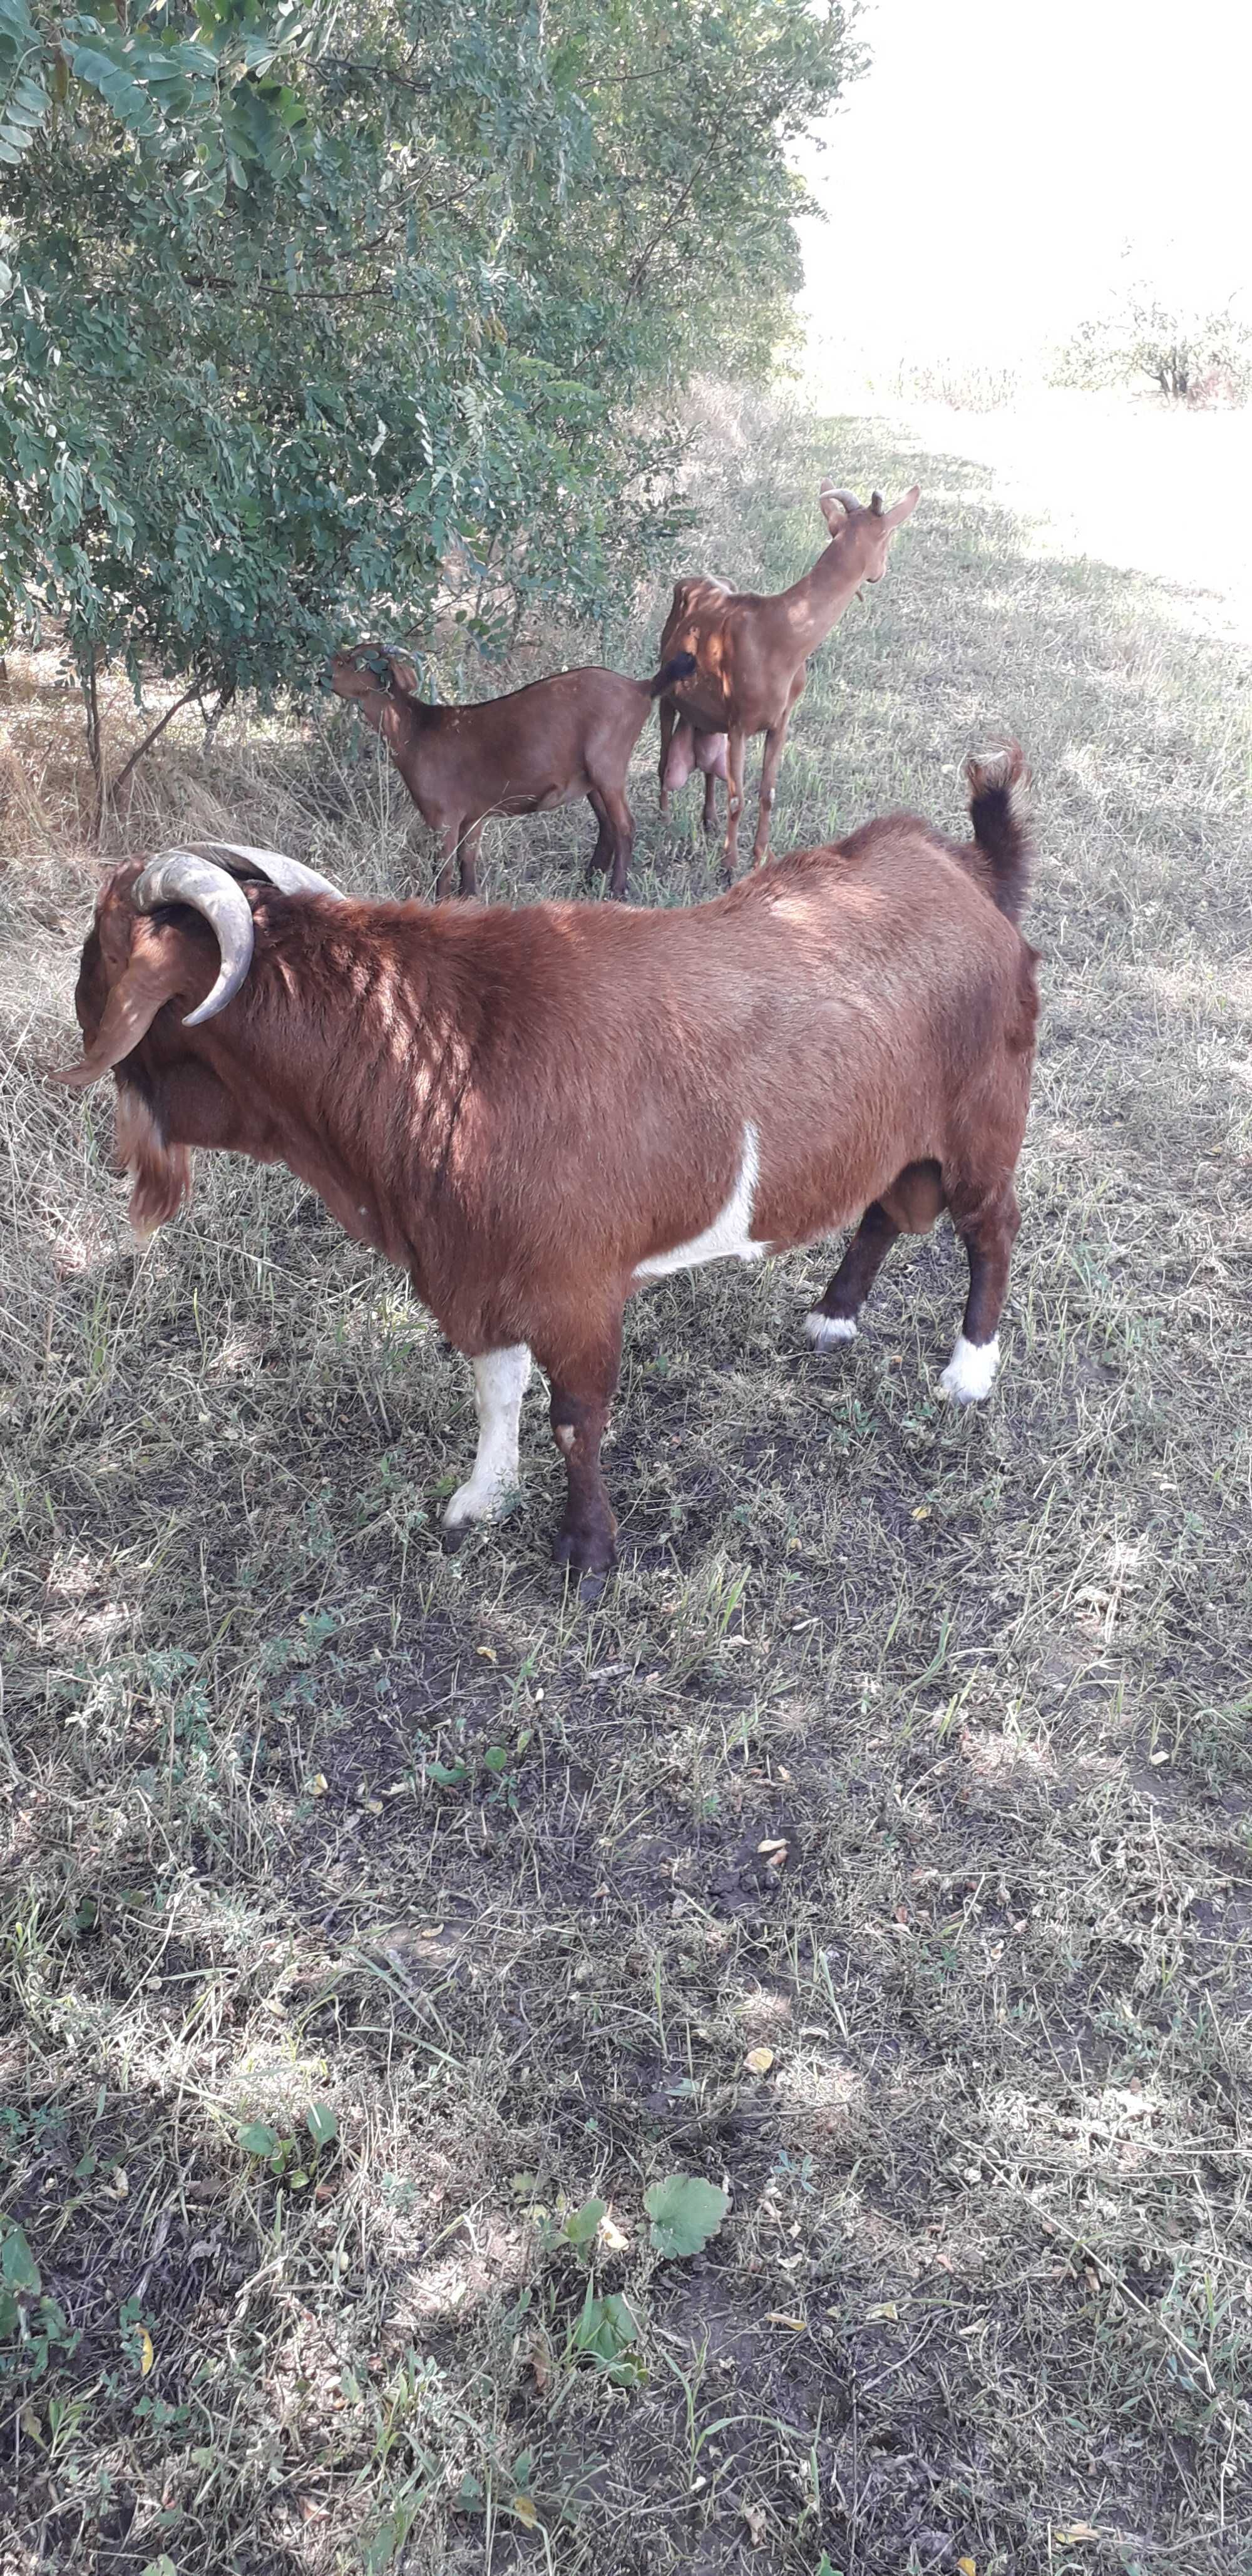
<point>750,657</point>
<point>548,744</point>
<point>535,1113</point>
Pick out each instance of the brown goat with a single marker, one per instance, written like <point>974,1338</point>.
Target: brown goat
<point>536,1112</point>
<point>751,660</point>
<point>544,745</point>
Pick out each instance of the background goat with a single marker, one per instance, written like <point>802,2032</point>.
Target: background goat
<point>544,745</point>
<point>750,659</point>
<point>536,1112</point>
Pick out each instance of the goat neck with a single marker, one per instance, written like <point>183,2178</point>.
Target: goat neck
<point>816,602</point>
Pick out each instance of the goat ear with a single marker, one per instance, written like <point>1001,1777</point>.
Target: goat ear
<point>149,981</point>
<point>902,510</point>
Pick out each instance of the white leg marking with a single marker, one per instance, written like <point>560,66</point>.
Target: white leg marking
<point>729,1236</point>
<point>825,1330</point>
<point>499,1385</point>
<point>970,1370</point>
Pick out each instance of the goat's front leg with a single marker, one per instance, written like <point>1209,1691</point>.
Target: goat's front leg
<point>774,740</point>
<point>582,1368</point>
<point>734,800</point>
<point>499,1384</point>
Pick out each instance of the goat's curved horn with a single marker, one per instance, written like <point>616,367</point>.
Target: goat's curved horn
<point>178,876</point>
<point>847,500</point>
<point>289,875</point>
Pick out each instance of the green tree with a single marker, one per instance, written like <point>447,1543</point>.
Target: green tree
<point>311,319</point>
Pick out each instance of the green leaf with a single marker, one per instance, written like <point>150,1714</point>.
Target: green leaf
<point>321,2123</point>
<point>581,2225</point>
<point>18,2268</point>
<point>604,2333</point>
<point>685,2212</point>
<point>257,2138</point>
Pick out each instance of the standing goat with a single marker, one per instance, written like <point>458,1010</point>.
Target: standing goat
<point>751,660</point>
<point>536,1112</point>
<point>545,745</point>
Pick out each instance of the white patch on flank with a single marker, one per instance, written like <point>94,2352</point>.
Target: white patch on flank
<point>825,1330</point>
<point>499,1385</point>
<point>729,1236</point>
<point>970,1370</point>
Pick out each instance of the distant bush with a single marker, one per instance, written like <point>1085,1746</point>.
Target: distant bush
<point>1192,355</point>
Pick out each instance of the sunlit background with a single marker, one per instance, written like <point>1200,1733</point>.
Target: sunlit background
<point>987,175</point>
<point>1000,177</point>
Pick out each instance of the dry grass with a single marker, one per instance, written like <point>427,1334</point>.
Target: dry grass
<point>300,1810</point>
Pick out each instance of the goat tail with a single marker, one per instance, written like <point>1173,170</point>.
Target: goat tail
<point>998,782</point>
<point>680,666</point>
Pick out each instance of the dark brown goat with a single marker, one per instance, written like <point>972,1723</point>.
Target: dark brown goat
<point>750,659</point>
<point>548,744</point>
<point>536,1112</point>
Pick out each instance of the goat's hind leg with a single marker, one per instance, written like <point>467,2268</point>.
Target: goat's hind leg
<point>988,1230</point>
<point>603,850</point>
<point>669,718</point>
<point>833,1318</point>
<point>910,1206</point>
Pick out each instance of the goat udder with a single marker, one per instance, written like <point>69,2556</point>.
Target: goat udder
<point>682,756</point>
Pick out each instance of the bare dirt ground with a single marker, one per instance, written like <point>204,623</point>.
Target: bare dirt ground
<point>878,1851</point>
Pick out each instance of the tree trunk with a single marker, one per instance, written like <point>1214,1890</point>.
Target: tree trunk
<point>95,754</point>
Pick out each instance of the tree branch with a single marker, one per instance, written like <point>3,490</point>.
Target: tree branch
<point>110,795</point>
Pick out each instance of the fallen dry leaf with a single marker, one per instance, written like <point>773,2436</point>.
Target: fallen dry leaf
<point>777,2317</point>
<point>526,2513</point>
<point>488,1653</point>
<point>756,2517</point>
<point>885,2314</point>
<point>1074,2531</point>
<point>922,1512</point>
<point>772,1843</point>
<point>318,1785</point>
<point>759,2061</point>
<point>146,2354</point>
<point>966,2567</point>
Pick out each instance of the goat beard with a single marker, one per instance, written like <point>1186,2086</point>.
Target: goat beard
<point>160,1173</point>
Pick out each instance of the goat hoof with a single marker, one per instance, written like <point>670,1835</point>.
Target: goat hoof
<point>589,1554</point>
<point>591,1589</point>
<point>451,1539</point>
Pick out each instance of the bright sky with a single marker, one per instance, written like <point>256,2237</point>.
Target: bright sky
<point>983,177</point>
